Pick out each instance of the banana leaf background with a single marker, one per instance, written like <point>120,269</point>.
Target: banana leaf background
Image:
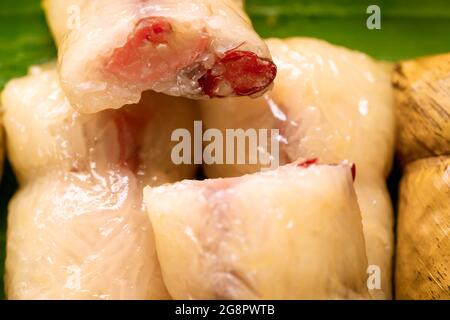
<point>409,28</point>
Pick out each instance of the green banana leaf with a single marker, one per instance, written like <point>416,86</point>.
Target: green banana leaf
<point>409,28</point>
